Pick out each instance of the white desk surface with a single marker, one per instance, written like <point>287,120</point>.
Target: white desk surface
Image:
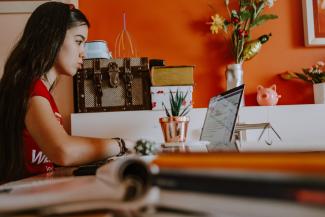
<point>301,127</point>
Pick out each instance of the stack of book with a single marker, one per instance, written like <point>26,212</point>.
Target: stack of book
<point>243,184</point>
<point>170,78</point>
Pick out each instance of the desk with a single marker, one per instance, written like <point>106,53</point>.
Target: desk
<point>300,126</point>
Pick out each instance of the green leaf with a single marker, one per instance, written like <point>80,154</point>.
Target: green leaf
<point>166,110</point>
<point>262,19</point>
<point>244,3</point>
<point>179,101</point>
<point>186,110</point>
<point>288,75</point>
<point>322,77</point>
<point>302,76</point>
<point>245,15</point>
<point>172,101</point>
<point>306,71</point>
<point>315,77</point>
<point>176,100</point>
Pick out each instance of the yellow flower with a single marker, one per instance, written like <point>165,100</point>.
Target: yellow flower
<point>216,24</point>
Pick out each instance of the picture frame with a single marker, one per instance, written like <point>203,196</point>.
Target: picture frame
<point>314,22</point>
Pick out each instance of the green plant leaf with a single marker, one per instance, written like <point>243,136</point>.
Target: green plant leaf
<point>288,75</point>
<point>172,102</point>
<point>176,100</point>
<point>245,15</point>
<point>315,77</point>
<point>178,103</point>
<point>244,3</point>
<point>302,76</point>
<point>166,110</point>
<point>305,70</point>
<point>322,77</point>
<point>184,97</point>
<point>186,110</point>
<point>262,19</point>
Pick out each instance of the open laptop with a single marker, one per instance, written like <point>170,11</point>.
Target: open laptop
<point>220,120</point>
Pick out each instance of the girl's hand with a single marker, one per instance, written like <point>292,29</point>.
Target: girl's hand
<point>130,145</point>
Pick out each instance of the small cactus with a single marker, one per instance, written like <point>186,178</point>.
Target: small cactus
<point>176,102</point>
<point>144,147</point>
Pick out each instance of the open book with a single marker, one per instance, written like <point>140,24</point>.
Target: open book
<point>123,184</point>
<point>233,184</point>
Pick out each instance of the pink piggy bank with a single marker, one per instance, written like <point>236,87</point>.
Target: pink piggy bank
<point>267,96</point>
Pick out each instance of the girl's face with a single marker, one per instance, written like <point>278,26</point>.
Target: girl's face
<point>72,51</point>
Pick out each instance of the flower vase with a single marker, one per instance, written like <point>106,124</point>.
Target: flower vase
<point>235,77</point>
<point>319,93</point>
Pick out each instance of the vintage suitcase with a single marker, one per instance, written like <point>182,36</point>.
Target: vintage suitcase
<point>112,85</point>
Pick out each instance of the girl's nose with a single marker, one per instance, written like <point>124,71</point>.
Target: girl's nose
<point>82,52</point>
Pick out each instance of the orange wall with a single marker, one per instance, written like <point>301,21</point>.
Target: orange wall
<point>176,31</point>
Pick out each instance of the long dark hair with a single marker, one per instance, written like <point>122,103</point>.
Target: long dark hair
<point>31,58</point>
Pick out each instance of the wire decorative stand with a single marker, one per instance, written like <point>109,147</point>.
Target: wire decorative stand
<point>124,46</point>
<point>264,126</point>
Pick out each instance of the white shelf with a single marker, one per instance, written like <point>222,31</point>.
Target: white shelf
<point>301,127</point>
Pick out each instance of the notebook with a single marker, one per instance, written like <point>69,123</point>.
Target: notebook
<point>220,120</point>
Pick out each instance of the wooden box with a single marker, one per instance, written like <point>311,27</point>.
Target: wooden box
<point>112,85</point>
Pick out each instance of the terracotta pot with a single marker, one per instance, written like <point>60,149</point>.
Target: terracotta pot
<point>174,128</point>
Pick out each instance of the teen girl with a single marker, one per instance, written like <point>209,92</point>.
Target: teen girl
<point>32,138</point>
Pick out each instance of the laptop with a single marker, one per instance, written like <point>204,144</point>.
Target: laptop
<point>220,120</point>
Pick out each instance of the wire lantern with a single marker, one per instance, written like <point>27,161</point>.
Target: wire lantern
<point>124,46</point>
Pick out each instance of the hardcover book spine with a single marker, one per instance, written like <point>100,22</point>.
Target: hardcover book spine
<point>172,75</point>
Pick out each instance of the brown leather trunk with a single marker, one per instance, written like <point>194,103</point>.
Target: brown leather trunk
<point>112,85</point>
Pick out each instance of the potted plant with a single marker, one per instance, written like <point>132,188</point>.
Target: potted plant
<point>175,124</point>
<point>314,75</point>
<point>243,17</point>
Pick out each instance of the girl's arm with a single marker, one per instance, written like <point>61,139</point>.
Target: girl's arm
<point>60,147</point>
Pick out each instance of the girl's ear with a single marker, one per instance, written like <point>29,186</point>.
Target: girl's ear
<point>273,87</point>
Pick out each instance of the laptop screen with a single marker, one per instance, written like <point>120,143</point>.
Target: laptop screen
<point>220,120</point>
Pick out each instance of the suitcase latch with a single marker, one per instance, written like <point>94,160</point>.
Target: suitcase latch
<point>128,80</point>
<point>113,73</point>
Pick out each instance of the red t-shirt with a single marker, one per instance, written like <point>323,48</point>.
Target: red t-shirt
<point>35,160</point>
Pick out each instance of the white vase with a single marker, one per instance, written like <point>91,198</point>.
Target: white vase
<point>319,93</point>
<point>235,77</point>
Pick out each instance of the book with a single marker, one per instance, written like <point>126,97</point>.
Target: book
<point>301,162</point>
<point>202,204</point>
<point>281,186</point>
<point>172,75</point>
<point>122,184</point>
<point>286,176</point>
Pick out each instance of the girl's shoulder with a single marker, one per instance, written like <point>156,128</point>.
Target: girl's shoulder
<point>39,89</point>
